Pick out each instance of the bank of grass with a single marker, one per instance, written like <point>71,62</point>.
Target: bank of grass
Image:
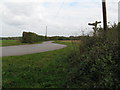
<point>13,42</point>
<point>41,70</point>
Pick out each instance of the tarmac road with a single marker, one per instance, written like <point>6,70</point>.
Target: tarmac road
<point>29,49</point>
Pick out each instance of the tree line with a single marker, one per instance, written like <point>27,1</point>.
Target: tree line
<point>31,37</point>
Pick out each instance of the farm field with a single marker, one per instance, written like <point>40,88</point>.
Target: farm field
<point>13,42</point>
<point>10,42</point>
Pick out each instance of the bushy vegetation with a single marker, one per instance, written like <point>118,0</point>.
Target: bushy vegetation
<point>96,63</point>
<point>64,38</point>
<point>29,37</point>
<point>58,38</point>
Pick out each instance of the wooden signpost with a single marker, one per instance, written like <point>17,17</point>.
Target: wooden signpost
<point>95,26</point>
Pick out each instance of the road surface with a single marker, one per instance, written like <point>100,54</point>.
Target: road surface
<point>29,49</point>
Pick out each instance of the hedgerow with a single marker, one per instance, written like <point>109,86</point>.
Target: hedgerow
<point>29,37</point>
<point>96,64</point>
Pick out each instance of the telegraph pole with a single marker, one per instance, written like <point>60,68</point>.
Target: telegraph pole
<point>46,33</point>
<point>104,15</point>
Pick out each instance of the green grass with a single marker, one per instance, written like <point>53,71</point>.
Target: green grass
<point>41,70</point>
<point>9,42</point>
<point>13,42</point>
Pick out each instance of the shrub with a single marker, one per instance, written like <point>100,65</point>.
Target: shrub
<point>29,37</point>
<point>97,64</point>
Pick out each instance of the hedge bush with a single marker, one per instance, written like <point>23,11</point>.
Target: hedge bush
<point>29,37</point>
<point>97,64</point>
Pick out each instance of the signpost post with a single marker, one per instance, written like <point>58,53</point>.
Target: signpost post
<point>95,26</point>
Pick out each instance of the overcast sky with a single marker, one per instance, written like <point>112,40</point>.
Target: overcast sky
<point>63,17</point>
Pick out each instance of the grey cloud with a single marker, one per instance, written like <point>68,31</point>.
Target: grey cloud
<point>19,17</point>
<point>21,8</point>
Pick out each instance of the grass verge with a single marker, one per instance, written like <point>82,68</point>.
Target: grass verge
<point>41,70</point>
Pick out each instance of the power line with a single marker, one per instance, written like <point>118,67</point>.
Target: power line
<point>58,11</point>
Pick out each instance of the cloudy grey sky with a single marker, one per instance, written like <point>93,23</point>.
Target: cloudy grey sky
<point>63,17</point>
